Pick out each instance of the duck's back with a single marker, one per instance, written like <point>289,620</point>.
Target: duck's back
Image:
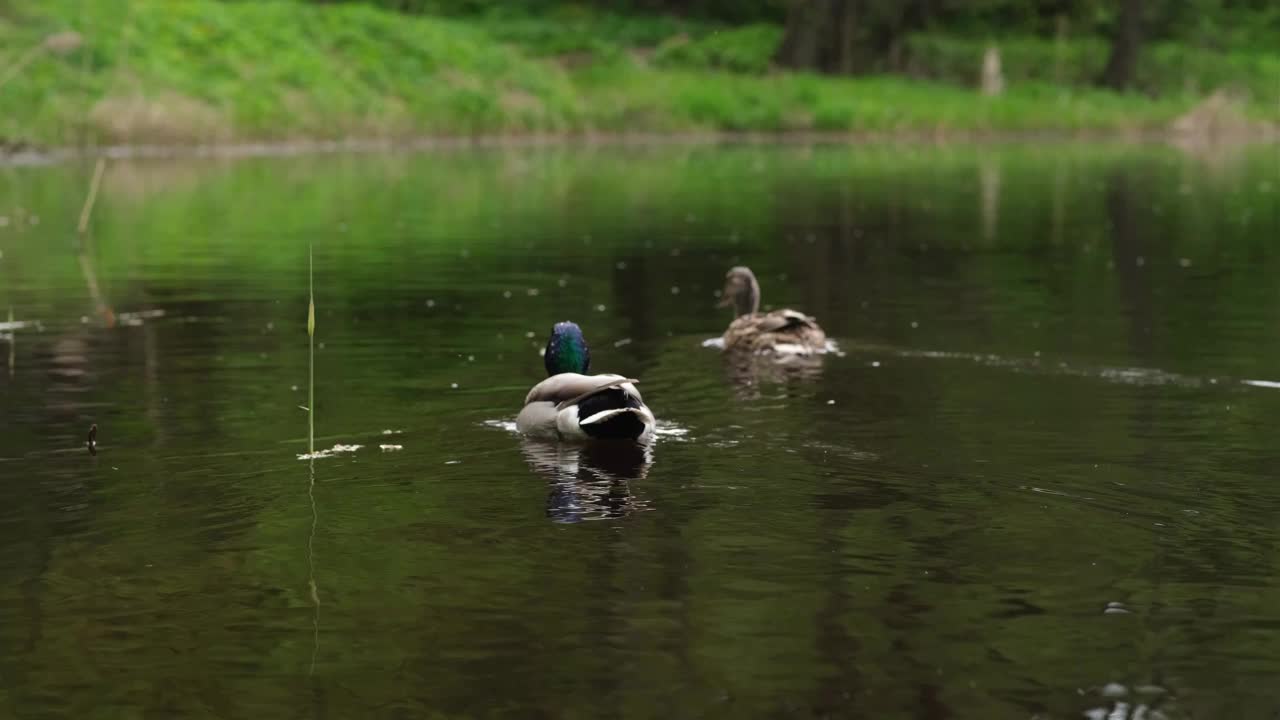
<point>573,405</point>
<point>781,331</point>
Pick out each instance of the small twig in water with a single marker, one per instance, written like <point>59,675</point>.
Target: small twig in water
<point>13,340</point>
<point>93,195</point>
<point>86,268</point>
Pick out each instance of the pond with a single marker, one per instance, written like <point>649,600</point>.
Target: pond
<point>1038,480</point>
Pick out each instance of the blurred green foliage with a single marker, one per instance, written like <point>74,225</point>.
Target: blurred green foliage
<point>220,70</point>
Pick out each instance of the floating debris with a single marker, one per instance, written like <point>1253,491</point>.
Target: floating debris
<point>392,432</point>
<point>92,444</point>
<point>1114,690</point>
<point>20,325</point>
<point>331,452</point>
<point>136,318</point>
<point>390,448</point>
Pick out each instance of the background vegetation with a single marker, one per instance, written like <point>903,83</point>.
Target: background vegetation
<point>147,71</point>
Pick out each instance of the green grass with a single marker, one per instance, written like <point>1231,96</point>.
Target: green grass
<point>151,71</point>
<point>1166,68</point>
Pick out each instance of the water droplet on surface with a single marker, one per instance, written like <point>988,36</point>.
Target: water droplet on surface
<point>600,308</point>
<point>831,402</point>
<point>431,303</point>
<point>675,289</point>
<point>915,324</point>
<point>453,386</point>
<point>875,363</point>
<point>506,294</point>
<point>1184,262</point>
<point>1116,608</point>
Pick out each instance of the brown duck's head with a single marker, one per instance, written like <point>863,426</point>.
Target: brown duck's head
<point>741,291</point>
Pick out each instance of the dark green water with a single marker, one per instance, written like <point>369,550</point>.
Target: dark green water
<point>1041,413</point>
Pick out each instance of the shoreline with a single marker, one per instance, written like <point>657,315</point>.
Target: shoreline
<point>428,143</point>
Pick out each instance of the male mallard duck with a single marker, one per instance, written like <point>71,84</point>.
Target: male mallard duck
<point>782,332</point>
<point>572,405</point>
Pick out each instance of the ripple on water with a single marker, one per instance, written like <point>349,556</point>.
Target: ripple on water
<point>663,429</point>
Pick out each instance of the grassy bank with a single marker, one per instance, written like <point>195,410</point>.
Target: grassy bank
<point>148,71</point>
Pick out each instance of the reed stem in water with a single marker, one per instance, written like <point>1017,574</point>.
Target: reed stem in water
<point>311,342</point>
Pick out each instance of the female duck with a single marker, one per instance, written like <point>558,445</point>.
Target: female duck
<point>781,332</point>
<point>572,405</point>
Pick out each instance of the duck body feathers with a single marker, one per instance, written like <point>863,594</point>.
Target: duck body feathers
<point>571,406</point>
<point>781,332</point>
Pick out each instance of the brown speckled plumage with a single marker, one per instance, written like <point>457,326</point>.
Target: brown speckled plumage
<point>781,332</point>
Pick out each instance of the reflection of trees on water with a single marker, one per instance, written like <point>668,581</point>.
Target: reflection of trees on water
<point>876,630</point>
<point>989,182</point>
<point>589,481</point>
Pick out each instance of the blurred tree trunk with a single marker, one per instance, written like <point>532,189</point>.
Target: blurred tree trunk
<point>822,35</point>
<point>1123,62</point>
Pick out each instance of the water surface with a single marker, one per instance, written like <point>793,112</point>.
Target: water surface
<point>1039,481</point>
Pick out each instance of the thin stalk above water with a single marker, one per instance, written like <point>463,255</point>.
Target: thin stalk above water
<point>311,343</point>
<point>311,450</point>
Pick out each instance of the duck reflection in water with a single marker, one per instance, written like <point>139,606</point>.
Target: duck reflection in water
<point>748,371</point>
<point>589,481</point>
